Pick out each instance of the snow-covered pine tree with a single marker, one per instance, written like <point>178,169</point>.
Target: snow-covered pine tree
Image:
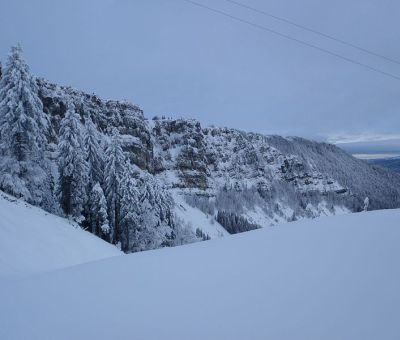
<point>366,204</point>
<point>130,211</point>
<point>99,217</point>
<point>94,154</point>
<point>23,128</point>
<point>155,216</point>
<point>95,161</point>
<point>183,233</point>
<point>113,171</point>
<point>72,164</point>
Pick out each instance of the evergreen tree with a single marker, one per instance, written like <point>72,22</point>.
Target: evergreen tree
<point>114,168</point>
<point>366,204</point>
<point>130,211</point>
<point>23,127</point>
<point>182,233</point>
<point>94,154</point>
<point>72,164</point>
<point>201,235</point>
<point>234,223</point>
<point>155,216</point>
<point>95,162</point>
<point>99,217</point>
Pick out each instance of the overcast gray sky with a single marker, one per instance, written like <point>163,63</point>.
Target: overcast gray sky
<point>175,59</point>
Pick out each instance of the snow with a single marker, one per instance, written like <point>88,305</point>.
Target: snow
<point>328,278</point>
<point>196,218</point>
<point>32,241</point>
<point>259,217</point>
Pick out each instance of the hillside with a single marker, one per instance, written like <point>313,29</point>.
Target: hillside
<point>263,179</point>
<point>143,184</point>
<point>390,163</point>
<point>329,278</point>
<point>32,240</point>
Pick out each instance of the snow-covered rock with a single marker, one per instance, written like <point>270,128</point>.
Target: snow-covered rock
<point>280,179</point>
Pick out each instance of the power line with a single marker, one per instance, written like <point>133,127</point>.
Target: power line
<point>331,37</point>
<point>288,37</point>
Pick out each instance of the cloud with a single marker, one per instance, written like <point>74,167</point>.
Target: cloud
<point>361,138</point>
<point>177,60</point>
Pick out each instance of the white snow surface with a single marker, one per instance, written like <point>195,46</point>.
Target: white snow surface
<point>32,240</point>
<point>196,218</point>
<point>328,278</point>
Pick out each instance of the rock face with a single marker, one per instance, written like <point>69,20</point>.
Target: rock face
<point>263,179</point>
<point>126,117</point>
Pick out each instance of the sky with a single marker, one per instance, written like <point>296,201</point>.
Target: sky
<point>176,59</point>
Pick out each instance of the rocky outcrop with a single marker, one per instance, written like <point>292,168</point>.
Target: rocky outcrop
<point>293,177</point>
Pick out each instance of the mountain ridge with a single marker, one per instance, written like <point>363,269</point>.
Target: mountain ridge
<point>131,180</point>
<point>205,161</point>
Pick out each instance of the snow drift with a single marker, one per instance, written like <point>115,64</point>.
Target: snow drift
<point>328,278</point>
<point>32,240</point>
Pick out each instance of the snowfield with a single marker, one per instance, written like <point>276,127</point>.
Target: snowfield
<point>32,240</point>
<point>328,278</point>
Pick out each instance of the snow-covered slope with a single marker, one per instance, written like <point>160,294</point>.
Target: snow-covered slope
<point>328,278</point>
<point>32,240</point>
<point>197,219</point>
<point>392,163</point>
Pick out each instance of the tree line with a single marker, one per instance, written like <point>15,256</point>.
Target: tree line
<point>92,181</point>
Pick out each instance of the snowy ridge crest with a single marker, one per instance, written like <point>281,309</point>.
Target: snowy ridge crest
<point>286,178</point>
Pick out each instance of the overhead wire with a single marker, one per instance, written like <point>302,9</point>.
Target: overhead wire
<point>288,37</point>
<point>303,27</point>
